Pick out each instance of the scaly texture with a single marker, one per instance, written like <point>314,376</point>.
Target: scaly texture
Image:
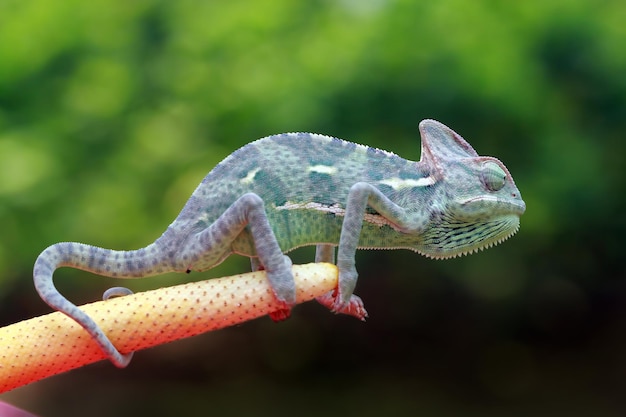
<point>44,346</point>
<point>296,189</point>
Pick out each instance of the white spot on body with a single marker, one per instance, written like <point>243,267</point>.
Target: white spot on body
<point>334,209</point>
<point>249,178</point>
<point>337,210</point>
<point>323,169</point>
<point>400,184</point>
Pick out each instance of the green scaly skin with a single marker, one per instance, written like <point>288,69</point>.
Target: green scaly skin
<point>296,189</point>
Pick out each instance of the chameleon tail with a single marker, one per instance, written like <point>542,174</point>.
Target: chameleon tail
<point>120,264</point>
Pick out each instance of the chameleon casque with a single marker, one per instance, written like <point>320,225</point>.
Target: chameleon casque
<point>296,189</point>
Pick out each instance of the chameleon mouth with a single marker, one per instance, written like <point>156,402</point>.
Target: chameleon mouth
<point>513,206</point>
<point>458,239</point>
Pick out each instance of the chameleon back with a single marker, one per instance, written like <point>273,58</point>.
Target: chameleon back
<point>304,180</point>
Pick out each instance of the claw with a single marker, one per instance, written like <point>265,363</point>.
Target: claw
<point>283,310</point>
<point>280,315</point>
<point>354,307</point>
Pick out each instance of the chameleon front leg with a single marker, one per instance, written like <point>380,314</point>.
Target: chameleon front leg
<point>360,196</point>
<point>354,307</point>
<point>249,211</point>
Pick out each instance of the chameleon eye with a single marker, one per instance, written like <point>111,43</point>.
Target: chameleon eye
<point>493,176</point>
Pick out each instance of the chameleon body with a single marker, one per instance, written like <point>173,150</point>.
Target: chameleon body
<point>295,189</point>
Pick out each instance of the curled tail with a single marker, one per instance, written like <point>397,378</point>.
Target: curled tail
<point>120,264</point>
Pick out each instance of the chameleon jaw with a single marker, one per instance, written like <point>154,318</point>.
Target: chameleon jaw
<point>511,227</point>
<point>471,250</point>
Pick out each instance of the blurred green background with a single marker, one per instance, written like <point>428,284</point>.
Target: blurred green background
<point>111,112</point>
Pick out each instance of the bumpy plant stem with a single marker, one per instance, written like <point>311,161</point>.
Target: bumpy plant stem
<point>48,345</point>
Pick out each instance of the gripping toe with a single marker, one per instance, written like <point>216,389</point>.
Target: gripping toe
<point>354,307</point>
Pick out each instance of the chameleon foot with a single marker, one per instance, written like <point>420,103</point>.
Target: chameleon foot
<point>284,289</point>
<point>280,315</point>
<point>354,307</point>
<point>116,292</point>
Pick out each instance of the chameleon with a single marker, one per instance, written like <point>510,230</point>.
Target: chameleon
<point>290,190</point>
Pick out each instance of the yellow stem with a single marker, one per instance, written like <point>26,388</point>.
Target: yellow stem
<point>48,345</point>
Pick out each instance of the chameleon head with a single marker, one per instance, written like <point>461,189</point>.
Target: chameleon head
<point>476,204</point>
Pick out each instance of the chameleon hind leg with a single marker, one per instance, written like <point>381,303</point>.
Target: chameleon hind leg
<point>212,243</point>
<point>279,315</point>
<point>206,248</point>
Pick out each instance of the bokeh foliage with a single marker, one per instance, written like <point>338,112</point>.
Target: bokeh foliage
<point>111,112</point>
